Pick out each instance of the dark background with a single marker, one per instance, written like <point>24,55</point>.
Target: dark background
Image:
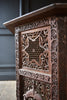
<point>10,9</point>
<point>30,5</point>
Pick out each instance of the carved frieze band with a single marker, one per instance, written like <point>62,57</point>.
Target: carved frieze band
<point>35,75</point>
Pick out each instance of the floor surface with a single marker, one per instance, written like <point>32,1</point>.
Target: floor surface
<point>7,90</point>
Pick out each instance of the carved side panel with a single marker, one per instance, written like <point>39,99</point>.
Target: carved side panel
<point>19,79</point>
<point>36,56</point>
<point>62,27</point>
<point>44,46</point>
<point>36,46</point>
<point>54,59</point>
<point>17,64</point>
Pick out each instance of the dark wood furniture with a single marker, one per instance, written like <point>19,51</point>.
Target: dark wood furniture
<point>41,53</point>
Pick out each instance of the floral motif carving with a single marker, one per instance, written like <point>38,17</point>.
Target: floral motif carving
<point>41,88</point>
<point>35,75</point>
<point>52,93</point>
<point>54,57</point>
<point>35,49</point>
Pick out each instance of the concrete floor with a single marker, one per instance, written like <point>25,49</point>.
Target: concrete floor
<point>7,90</point>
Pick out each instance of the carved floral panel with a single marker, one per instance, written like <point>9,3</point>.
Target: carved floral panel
<point>36,48</point>
<point>36,90</point>
<point>47,36</point>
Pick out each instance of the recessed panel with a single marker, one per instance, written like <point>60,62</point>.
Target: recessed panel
<point>36,49</point>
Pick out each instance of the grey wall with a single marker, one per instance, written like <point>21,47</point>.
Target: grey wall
<point>9,9</point>
<point>35,4</point>
<point>30,5</point>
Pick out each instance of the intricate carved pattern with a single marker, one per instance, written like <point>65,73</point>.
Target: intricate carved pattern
<point>31,94</point>
<point>44,22</point>
<point>35,75</point>
<point>32,25</point>
<point>44,39</point>
<point>35,49</point>
<point>41,88</point>
<point>17,63</point>
<point>54,57</point>
<point>25,41</point>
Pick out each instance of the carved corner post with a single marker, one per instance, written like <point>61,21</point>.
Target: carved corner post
<point>19,78</point>
<point>59,58</point>
<point>62,56</point>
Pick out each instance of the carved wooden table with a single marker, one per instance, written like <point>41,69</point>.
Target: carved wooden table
<point>41,53</point>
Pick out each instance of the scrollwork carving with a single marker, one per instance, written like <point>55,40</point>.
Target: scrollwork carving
<point>47,91</point>
<point>35,49</point>
<point>41,88</point>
